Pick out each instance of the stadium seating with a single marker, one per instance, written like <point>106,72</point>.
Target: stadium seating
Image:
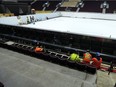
<point>15,8</point>
<point>38,5</point>
<point>52,5</point>
<point>69,4</point>
<point>112,7</point>
<point>91,6</point>
<point>2,8</point>
<point>66,5</point>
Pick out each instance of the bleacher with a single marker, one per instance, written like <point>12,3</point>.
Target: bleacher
<point>2,8</point>
<point>38,5</point>
<point>88,6</point>
<point>15,8</point>
<point>112,7</point>
<point>91,6</point>
<point>70,5</point>
<point>12,9</point>
<point>52,5</point>
<point>22,7</point>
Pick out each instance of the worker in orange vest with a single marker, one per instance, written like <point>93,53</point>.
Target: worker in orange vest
<point>96,61</point>
<point>38,49</point>
<point>87,57</point>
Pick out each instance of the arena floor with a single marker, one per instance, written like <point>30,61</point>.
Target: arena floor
<point>84,26</point>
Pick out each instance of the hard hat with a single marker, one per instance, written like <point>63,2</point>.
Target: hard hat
<point>74,56</point>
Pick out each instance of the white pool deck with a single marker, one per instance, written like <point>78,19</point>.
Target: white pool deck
<point>85,26</point>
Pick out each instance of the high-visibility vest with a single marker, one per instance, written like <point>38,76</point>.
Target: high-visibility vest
<point>74,57</point>
<point>96,62</point>
<point>38,49</point>
<point>87,57</point>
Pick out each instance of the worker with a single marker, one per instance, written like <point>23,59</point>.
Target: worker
<point>33,19</point>
<point>96,61</point>
<point>19,20</point>
<point>33,11</point>
<point>110,69</point>
<point>75,57</point>
<point>87,57</point>
<point>38,49</point>
<point>28,20</point>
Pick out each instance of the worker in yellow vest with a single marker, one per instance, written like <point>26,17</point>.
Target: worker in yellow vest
<point>74,57</point>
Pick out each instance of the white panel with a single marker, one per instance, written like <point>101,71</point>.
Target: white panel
<point>91,27</point>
